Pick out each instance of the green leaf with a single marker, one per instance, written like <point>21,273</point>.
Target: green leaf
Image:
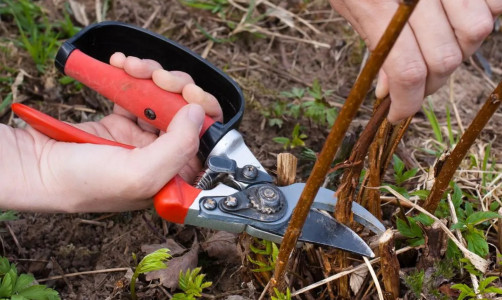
<point>470,267</point>
<point>22,282</point>
<point>485,282</point>
<point>412,231</point>
<point>422,194</point>
<point>456,198</point>
<point>398,164</point>
<point>476,242</point>
<point>6,287</point>
<point>424,219</point>
<point>493,289</point>
<point>275,122</point>
<point>192,283</point>
<point>8,215</point>
<point>416,241</point>
<point>436,128</point>
<point>153,261</point>
<point>408,174</point>
<point>331,115</point>
<point>281,140</point>
<point>481,216</point>
<point>39,292</point>
<point>5,265</point>
<point>459,225</point>
<point>464,288</point>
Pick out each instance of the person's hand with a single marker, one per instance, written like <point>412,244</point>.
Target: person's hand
<point>41,174</point>
<point>440,34</point>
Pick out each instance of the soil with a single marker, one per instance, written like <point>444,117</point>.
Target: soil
<point>264,65</point>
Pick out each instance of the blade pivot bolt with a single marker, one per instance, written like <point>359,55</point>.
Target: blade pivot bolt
<point>269,200</point>
<point>231,202</point>
<point>249,171</point>
<point>209,204</point>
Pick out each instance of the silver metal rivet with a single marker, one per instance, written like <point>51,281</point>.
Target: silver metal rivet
<point>249,171</point>
<point>231,201</point>
<point>209,204</point>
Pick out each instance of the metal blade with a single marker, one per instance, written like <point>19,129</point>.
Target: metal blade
<point>323,230</point>
<point>326,200</point>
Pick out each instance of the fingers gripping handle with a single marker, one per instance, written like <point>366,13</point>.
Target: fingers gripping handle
<point>141,97</point>
<point>171,202</point>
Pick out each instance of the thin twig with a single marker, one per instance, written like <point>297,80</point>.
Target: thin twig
<point>375,278</point>
<point>14,237</point>
<point>84,273</point>
<point>336,135</point>
<point>254,28</point>
<point>57,266</point>
<point>347,272</point>
<point>304,22</point>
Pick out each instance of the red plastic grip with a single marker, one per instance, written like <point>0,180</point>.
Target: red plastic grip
<point>141,97</point>
<point>171,202</point>
<point>175,211</point>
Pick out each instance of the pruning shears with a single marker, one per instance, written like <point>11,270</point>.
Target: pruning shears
<point>235,193</point>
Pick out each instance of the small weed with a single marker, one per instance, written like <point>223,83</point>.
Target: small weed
<point>399,174</point>
<point>436,128</point>
<point>5,103</point>
<point>467,291</point>
<point>152,262</point>
<point>37,34</point>
<point>316,108</point>
<point>267,249</point>
<point>470,222</point>
<point>412,230</point>
<point>192,283</point>
<point>214,6</point>
<point>296,140</point>
<point>20,286</point>
<point>319,109</point>
<point>281,296</point>
<point>296,104</point>
<point>8,215</point>
<point>415,282</point>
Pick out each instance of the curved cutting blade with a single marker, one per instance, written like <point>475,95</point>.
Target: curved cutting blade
<point>326,200</point>
<point>323,230</point>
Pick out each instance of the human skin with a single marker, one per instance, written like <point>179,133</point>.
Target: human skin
<point>438,37</point>
<point>40,174</point>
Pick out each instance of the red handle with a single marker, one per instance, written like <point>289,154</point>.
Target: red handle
<point>171,202</point>
<point>141,97</point>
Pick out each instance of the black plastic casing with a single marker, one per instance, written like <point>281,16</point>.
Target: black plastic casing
<point>101,40</point>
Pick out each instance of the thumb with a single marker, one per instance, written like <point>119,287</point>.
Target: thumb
<point>168,154</point>
<point>382,87</point>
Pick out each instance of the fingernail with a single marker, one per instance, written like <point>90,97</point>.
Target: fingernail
<point>196,114</point>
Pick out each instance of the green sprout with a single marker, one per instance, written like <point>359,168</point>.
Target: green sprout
<point>152,262</point>
<point>192,283</point>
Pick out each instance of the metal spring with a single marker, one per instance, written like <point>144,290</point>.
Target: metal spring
<point>207,179</point>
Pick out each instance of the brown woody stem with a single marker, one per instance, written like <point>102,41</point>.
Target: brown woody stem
<point>458,153</point>
<point>346,191</point>
<point>389,263</point>
<point>350,180</point>
<point>335,137</point>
